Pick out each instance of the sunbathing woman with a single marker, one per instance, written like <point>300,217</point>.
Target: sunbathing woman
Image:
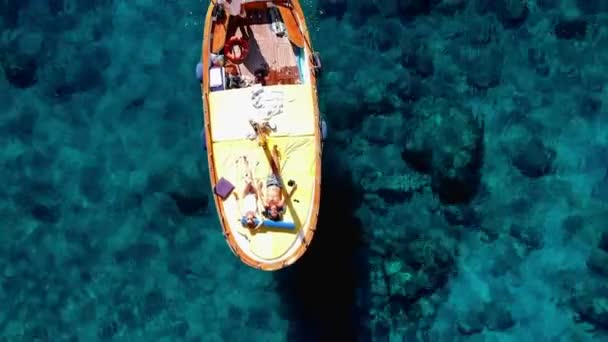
<point>274,202</point>
<point>250,196</point>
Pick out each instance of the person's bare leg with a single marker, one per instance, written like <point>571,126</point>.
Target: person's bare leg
<point>252,174</point>
<point>260,193</point>
<point>247,176</point>
<point>247,189</point>
<point>276,159</point>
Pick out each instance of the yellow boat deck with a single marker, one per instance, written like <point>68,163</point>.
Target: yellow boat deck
<point>296,139</point>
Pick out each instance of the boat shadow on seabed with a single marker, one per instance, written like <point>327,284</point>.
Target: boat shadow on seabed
<point>325,293</point>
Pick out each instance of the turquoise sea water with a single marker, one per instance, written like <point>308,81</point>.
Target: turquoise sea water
<point>465,180</point>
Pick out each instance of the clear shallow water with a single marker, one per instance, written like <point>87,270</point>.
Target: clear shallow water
<point>464,192</point>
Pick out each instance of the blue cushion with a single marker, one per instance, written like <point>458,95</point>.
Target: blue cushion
<point>272,224</point>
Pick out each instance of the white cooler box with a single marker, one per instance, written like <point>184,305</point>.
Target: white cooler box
<point>217,80</point>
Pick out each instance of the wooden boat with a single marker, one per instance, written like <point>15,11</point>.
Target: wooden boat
<point>279,72</point>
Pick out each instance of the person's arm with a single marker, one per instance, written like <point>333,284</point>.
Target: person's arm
<point>260,207</point>
<point>260,192</point>
<point>260,219</point>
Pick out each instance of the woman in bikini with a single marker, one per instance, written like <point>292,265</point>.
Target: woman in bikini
<point>250,195</point>
<point>274,202</point>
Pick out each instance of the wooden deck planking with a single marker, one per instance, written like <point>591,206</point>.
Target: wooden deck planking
<point>265,47</point>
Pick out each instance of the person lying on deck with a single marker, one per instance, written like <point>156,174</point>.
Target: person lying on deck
<point>274,202</point>
<point>250,196</point>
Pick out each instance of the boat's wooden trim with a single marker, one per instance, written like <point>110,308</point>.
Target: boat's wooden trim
<point>313,80</point>
<point>313,215</point>
<point>288,14</point>
<point>219,30</point>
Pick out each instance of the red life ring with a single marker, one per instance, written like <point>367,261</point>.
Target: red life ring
<point>229,49</point>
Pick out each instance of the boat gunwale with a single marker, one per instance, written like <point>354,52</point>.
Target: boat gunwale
<point>310,226</point>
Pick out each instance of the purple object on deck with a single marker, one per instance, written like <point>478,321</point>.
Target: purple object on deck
<point>223,188</point>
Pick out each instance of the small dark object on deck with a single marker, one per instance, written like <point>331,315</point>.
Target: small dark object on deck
<point>262,73</point>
